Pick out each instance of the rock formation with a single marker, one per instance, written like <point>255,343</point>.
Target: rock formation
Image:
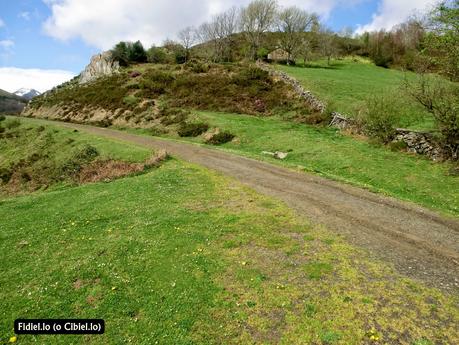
<point>101,64</point>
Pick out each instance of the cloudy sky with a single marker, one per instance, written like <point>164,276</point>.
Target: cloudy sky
<point>45,42</point>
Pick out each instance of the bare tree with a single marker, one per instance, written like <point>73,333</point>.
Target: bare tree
<point>257,18</point>
<point>219,33</point>
<point>292,22</point>
<point>187,37</point>
<point>327,43</point>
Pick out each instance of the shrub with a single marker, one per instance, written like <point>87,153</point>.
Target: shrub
<point>197,66</point>
<point>157,55</point>
<point>170,116</point>
<point>5,175</point>
<point>2,118</point>
<point>130,100</point>
<point>84,156</point>
<point>316,118</point>
<point>381,118</point>
<point>192,129</point>
<point>12,123</point>
<point>441,100</point>
<point>220,138</point>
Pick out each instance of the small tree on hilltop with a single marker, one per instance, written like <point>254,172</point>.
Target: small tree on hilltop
<point>120,53</point>
<point>327,44</point>
<point>187,37</point>
<point>292,22</point>
<point>257,18</point>
<point>136,52</point>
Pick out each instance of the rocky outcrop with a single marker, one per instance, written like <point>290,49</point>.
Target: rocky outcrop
<point>315,103</point>
<point>100,65</point>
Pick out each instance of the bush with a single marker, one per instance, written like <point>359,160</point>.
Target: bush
<point>441,100</point>
<point>157,55</point>
<point>381,118</point>
<point>2,118</point>
<point>170,116</point>
<point>220,138</point>
<point>84,156</point>
<point>197,66</point>
<point>5,175</point>
<point>12,123</point>
<point>316,118</point>
<point>192,129</point>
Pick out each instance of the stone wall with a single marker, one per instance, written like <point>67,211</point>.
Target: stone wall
<point>419,142</point>
<point>310,99</point>
<point>101,64</point>
<point>422,143</point>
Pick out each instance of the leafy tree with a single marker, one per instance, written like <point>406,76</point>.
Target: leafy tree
<point>442,41</point>
<point>442,101</point>
<point>136,52</point>
<point>120,53</point>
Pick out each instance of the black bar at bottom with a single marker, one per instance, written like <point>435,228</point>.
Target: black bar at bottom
<point>59,326</point>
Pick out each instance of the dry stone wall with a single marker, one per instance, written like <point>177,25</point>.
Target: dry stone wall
<point>422,143</point>
<point>315,103</point>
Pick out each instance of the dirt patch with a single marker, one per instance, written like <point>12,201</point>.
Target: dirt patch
<point>107,171</point>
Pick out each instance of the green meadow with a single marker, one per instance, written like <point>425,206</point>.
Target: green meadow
<point>182,255</point>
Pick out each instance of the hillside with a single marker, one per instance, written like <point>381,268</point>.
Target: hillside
<point>145,95</point>
<point>10,103</point>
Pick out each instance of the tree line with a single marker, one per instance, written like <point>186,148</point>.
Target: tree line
<point>252,32</point>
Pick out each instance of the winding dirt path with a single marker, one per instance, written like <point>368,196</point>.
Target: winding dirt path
<point>419,243</point>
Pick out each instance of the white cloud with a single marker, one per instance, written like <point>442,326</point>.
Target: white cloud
<point>24,15</point>
<point>103,23</point>
<point>6,44</point>
<point>393,12</point>
<point>12,79</point>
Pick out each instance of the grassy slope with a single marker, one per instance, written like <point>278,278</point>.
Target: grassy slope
<point>181,255</point>
<point>37,157</point>
<point>326,152</point>
<point>63,141</point>
<point>347,84</point>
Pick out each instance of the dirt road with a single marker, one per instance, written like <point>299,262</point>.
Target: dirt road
<point>419,243</point>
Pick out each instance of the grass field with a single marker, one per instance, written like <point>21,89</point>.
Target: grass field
<point>326,152</point>
<point>346,85</point>
<point>181,255</point>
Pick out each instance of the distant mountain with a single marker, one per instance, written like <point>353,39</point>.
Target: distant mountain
<point>10,103</point>
<point>27,93</point>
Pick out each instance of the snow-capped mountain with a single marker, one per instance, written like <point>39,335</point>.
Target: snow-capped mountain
<point>27,93</point>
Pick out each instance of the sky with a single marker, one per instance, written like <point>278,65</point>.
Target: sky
<point>46,42</point>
